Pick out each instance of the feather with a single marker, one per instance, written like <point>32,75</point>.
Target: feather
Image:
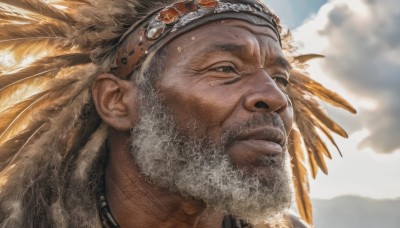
<point>13,119</point>
<point>312,163</point>
<point>13,147</point>
<point>33,81</point>
<point>44,120</point>
<point>7,17</point>
<point>16,34</point>
<point>40,8</point>
<point>314,109</point>
<point>329,136</point>
<point>301,80</point>
<point>25,53</point>
<point>316,117</point>
<point>304,58</point>
<point>321,146</point>
<point>312,143</point>
<point>46,68</point>
<point>300,177</point>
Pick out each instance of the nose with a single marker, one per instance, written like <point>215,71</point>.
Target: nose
<point>265,97</point>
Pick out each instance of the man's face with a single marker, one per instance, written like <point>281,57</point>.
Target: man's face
<point>214,125</point>
<point>225,75</point>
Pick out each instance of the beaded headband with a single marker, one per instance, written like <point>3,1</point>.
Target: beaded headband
<point>163,25</point>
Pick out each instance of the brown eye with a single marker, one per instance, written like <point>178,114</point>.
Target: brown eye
<point>225,69</point>
<point>281,82</point>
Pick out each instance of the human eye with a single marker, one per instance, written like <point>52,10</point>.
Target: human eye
<point>281,82</point>
<point>225,69</point>
<point>227,72</point>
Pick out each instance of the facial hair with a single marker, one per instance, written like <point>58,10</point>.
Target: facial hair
<point>198,168</point>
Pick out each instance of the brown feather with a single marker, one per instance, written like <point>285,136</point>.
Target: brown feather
<point>312,163</point>
<point>13,147</point>
<point>316,117</point>
<point>41,122</point>
<point>304,58</point>
<point>316,157</point>
<point>311,141</point>
<point>47,67</point>
<point>315,110</point>
<point>321,146</point>
<point>14,118</point>
<point>39,7</point>
<point>31,35</point>
<point>329,136</point>
<point>301,80</point>
<point>300,177</point>
<point>25,53</point>
<point>7,17</point>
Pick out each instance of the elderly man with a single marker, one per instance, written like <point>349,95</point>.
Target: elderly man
<point>144,114</point>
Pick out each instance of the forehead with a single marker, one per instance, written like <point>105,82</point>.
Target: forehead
<point>222,33</point>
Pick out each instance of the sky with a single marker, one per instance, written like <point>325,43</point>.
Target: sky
<point>360,41</point>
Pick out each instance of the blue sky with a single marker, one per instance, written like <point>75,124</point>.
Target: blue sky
<point>360,39</point>
<point>294,12</point>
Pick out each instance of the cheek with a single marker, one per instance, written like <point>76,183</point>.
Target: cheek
<point>287,118</point>
<point>200,110</point>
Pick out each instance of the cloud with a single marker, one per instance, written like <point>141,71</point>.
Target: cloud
<point>361,41</point>
<point>293,13</point>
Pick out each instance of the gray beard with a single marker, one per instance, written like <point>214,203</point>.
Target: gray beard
<point>198,168</point>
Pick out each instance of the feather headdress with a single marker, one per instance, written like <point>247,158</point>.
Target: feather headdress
<point>50,51</point>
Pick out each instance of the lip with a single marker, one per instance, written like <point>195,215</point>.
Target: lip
<point>261,147</point>
<point>252,144</point>
<point>267,135</point>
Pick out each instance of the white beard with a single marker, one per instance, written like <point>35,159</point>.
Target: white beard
<point>200,169</point>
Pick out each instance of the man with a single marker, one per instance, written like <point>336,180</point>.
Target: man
<point>146,114</point>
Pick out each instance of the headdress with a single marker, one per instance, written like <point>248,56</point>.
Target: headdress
<point>50,51</point>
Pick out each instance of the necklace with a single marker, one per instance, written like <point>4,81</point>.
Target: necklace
<point>107,219</point>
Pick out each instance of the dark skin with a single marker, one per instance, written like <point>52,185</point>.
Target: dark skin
<point>218,75</point>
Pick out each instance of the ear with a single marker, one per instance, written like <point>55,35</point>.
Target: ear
<point>115,101</point>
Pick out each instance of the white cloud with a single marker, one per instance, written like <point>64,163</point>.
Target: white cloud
<point>360,39</point>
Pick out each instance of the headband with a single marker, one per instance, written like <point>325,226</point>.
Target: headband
<point>163,25</point>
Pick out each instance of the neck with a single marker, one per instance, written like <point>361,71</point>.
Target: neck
<point>134,202</point>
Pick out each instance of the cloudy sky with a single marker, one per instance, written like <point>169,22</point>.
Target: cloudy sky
<point>361,42</point>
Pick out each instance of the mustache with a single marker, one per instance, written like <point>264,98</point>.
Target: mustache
<point>232,134</point>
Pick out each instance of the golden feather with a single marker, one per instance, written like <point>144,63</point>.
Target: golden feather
<point>34,36</point>
<point>314,109</point>
<point>305,58</point>
<point>13,120</point>
<point>40,8</point>
<point>300,177</point>
<point>329,136</point>
<point>309,116</point>
<point>301,80</point>
<point>47,67</point>
<point>12,17</point>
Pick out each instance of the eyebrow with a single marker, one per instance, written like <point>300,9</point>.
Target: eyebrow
<point>229,47</point>
<point>283,62</point>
